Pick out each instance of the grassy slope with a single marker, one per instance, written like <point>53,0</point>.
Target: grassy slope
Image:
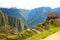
<point>44,34</point>
<point>36,36</point>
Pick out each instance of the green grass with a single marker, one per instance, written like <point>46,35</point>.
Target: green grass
<point>2,36</point>
<point>27,33</point>
<point>12,36</point>
<point>31,35</point>
<point>44,34</point>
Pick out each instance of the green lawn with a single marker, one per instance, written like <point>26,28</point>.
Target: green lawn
<point>44,34</point>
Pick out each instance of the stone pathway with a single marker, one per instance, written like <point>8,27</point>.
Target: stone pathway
<point>55,36</point>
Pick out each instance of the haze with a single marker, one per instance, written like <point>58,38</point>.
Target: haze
<point>29,4</point>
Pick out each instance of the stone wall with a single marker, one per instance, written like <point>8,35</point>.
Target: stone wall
<point>57,22</point>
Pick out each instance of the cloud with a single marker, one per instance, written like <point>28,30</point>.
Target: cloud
<point>29,4</point>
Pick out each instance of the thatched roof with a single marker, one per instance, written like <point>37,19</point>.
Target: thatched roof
<point>53,14</point>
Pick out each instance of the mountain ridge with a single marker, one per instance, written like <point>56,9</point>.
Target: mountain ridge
<point>30,17</point>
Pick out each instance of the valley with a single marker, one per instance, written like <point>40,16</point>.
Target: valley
<point>35,24</point>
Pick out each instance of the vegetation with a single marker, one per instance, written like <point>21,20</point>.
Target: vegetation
<point>11,28</point>
<point>45,33</point>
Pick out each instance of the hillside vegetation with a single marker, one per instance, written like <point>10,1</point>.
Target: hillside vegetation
<point>12,28</point>
<point>45,32</point>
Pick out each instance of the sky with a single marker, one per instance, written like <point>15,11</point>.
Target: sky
<point>29,4</point>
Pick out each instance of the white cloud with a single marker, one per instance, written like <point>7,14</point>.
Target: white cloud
<point>29,4</point>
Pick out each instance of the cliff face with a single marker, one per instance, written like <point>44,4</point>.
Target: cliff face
<point>10,23</point>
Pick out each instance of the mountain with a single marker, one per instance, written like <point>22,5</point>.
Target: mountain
<point>11,22</point>
<point>15,12</point>
<point>38,15</point>
<point>30,17</point>
<point>26,11</point>
<point>11,11</point>
<point>57,10</point>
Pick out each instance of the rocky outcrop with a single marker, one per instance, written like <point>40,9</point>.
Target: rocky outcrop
<point>8,23</point>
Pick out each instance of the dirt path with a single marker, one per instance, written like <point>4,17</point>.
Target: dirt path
<point>55,36</point>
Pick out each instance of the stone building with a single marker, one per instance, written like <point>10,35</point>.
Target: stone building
<point>52,15</point>
<point>56,22</point>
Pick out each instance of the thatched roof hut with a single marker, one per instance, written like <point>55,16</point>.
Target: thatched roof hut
<point>52,15</point>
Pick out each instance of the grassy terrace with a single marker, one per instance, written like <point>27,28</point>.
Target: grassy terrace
<point>31,35</point>
<point>45,33</point>
<point>26,34</point>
